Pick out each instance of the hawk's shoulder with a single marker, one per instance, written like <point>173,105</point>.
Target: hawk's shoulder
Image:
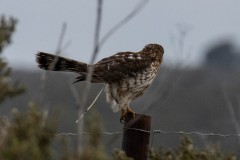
<point>122,65</point>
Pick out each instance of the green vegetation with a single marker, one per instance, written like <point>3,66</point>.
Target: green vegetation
<point>7,87</point>
<point>187,151</point>
<point>28,136</point>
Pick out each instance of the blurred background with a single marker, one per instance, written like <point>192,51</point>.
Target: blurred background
<point>197,88</point>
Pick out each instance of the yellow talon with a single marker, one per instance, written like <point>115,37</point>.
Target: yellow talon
<point>124,113</point>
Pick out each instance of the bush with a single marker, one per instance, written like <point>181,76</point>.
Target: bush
<point>187,151</point>
<point>28,136</point>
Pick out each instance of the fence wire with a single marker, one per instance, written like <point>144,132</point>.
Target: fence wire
<point>157,131</point>
<point>153,134</point>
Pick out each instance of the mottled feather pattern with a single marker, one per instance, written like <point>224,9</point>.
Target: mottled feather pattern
<point>122,65</point>
<point>127,74</point>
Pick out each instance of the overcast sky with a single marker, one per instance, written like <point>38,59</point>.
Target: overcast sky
<point>207,22</point>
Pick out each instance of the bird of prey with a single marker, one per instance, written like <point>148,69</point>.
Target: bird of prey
<point>127,75</point>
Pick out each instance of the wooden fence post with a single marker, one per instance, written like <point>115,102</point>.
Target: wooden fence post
<point>136,136</point>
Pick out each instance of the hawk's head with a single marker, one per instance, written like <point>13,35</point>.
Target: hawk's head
<point>155,51</point>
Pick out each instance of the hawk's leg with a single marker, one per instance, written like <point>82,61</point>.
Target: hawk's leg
<point>126,112</point>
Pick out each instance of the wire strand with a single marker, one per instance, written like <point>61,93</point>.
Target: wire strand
<point>159,131</point>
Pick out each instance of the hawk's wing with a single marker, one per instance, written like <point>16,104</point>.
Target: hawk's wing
<point>121,65</point>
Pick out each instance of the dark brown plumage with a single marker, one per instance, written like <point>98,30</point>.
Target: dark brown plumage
<point>127,74</point>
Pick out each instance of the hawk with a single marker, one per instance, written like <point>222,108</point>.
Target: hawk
<point>127,75</point>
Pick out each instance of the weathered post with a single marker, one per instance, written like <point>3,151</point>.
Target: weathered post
<point>136,136</point>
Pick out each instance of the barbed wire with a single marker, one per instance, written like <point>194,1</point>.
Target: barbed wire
<point>157,131</point>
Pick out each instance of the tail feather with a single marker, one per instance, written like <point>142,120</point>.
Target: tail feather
<point>57,63</point>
